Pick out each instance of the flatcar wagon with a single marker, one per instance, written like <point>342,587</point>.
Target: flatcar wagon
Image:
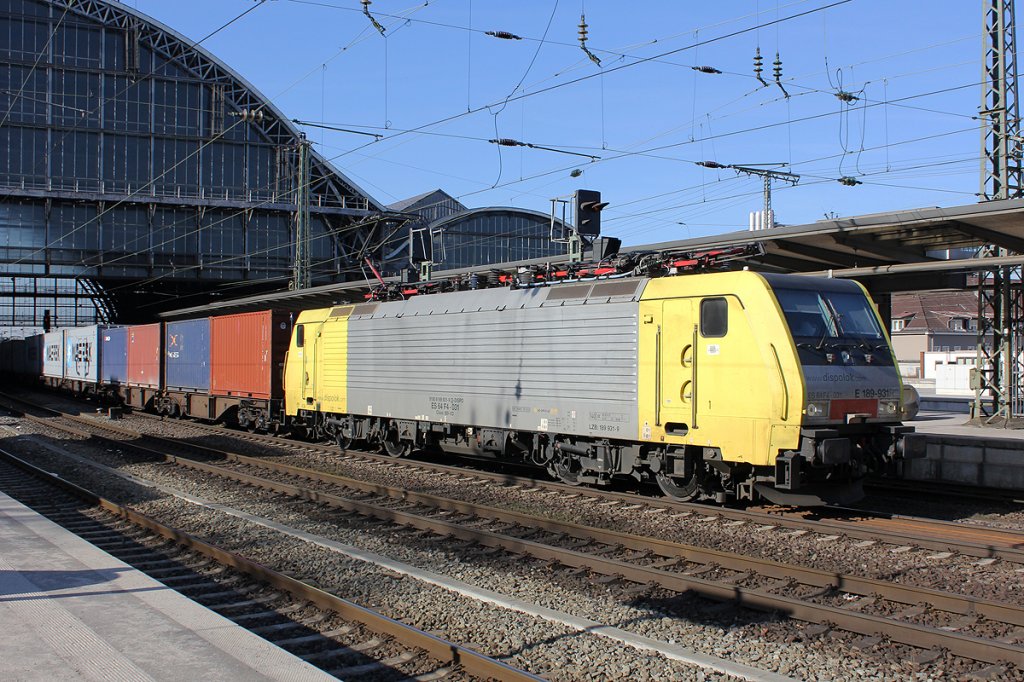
<point>732,385</point>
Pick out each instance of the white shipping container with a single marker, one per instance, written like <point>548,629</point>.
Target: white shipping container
<point>82,353</point>
<point>53,354</point>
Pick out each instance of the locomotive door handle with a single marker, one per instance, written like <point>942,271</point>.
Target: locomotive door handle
<point>785,386</point>
<point>693,390</point>
<point>657,377</point>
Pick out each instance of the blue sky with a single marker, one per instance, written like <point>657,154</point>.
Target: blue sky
<point>908,133</point>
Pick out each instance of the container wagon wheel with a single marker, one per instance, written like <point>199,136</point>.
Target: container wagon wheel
<point>393,445</point>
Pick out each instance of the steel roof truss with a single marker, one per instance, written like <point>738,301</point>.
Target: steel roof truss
<point>828,256</point>
<point>987,236</point>
<point>886,250</point>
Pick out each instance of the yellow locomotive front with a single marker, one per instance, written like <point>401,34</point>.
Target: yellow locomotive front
<point>775,386</point>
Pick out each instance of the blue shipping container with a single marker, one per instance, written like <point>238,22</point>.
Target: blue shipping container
<point>187,355</point>
<point>114,355</point>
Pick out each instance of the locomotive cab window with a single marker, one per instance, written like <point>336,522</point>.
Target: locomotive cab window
<point>300,335</point>
<point>714,317</point>
<point>827,316</point>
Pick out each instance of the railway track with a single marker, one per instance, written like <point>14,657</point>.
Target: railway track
<point>879,611</point>
<point>333,634</point>
<point>896,531</point>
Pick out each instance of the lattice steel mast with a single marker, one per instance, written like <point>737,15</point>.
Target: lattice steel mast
<point>998,392</point>
<point>301,277</point>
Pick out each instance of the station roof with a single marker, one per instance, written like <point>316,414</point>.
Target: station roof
<point>887,250</point>
<point>877,239</point>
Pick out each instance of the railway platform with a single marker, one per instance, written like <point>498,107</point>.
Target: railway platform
<point>70,611</point>
<point>962,453</point>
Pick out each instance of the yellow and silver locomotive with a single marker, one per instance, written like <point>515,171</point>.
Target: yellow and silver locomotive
<point>731,385</point>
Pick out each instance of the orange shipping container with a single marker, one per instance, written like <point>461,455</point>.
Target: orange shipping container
<point>247,354</point>
<point>144,355</point>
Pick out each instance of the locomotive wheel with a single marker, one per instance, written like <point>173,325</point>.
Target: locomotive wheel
<point>395,446</point>
<point>680,490</point>
<point>564,470</point>
<point>344,442</point>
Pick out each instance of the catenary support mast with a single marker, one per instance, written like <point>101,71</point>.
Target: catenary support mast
<point>998,395</point>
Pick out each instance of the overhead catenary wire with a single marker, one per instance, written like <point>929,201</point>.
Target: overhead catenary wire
<point>289,245</point>
<point>144,78</point>
<point>539,91</point>
<point>529,67</point>
<point>896,102</point>
<point>426,131</point>
<point>35,64</point>
<point>619,154</point>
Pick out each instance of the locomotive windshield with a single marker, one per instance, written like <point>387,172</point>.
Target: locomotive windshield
<point>829,317</point>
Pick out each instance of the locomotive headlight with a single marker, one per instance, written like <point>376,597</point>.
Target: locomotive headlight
<point>888,408</point>
<point>817,408</point>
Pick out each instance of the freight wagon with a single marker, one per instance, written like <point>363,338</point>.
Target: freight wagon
<point>226,368</point>
<point>71,358</point>
<point>22,357</point>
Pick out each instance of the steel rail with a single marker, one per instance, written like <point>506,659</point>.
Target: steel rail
<point>445,652</point>
<point>906,594</point>
<point>1009,545</point>
<point>930,534</point>
<point>897,530</point>
<point>912,634</point>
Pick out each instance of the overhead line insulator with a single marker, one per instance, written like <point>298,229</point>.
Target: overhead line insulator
<point>759,67</point>
<point>705,69</point>
<point>366,11</point>
<point>583,41</point>
<point>504,35</point>
<point>777,72</point>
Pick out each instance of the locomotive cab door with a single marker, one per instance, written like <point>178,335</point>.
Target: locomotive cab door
<point>309,336</point>
<point>676,380</point>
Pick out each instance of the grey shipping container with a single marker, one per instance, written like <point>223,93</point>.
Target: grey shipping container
<point>53,354</point>
<point>187,355</point>
<point>114,356</point>
<point>82,353</point>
